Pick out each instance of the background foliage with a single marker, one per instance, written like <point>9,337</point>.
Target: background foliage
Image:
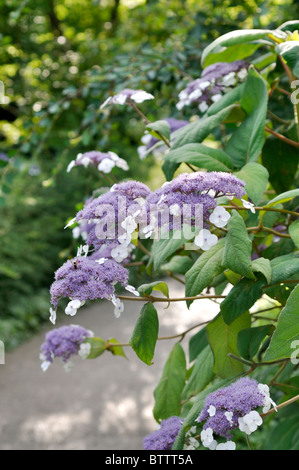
<point>59,61</point>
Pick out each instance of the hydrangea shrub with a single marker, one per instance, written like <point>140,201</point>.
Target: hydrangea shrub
<point>220,226</point>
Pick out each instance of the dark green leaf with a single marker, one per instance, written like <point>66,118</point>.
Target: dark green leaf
<point>145,334</point>
<point>250,339</point>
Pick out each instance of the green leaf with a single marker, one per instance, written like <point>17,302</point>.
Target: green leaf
<point>178,264</point>
<point>223,341</point>
<point>116,350</point>
<point>98,347</point>
<point>287,330</point>
<point>197,343</point>
<point>199,155</point>
<point>250,339</point>
<point>201,375</point>
<point>228,99</point>
<point>214,51</point>
<point>263,265</point>
<point>284,436</point>
<point>247,140</point>
<point>169,389</point>
<point>238,247</point>
<point>284,267</point>
<point>241,298</point>
<point>294,232</point>
<point>146,289</point>
<point>289,50</point>
<point>145,334</point>
<point>255,177</point>
<point>165,247</point>
<point>198,130</point>
<point>282,198</point>
<point>281,160</point>
<point>204,270</point>
<point>161,126</point>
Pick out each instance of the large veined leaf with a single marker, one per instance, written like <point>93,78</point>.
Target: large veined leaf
<point>289,50</point>
<point>284,267</point>
<point>223,341</point>
<point>262,265</point>
<point>255,177</point>
<point>199,155</point>
<point>242,297</point>
<point>201,375</point>
<point>284,197</point>
<point>238,247</point>
<point>169,389</point>
<point>145,333</point>
<point>247,140</point>
<point>214,52</point>
<point>204,270</point>
<point>285,338</point>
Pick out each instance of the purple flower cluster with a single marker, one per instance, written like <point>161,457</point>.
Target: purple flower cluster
<point>224,407</point>
<point>63,342</point>
<point>163,438</point>
<point>104,162</point>
<point>215,80</point>
<point>84,279</point>
<point>198,191</point>
<point>104,214</point>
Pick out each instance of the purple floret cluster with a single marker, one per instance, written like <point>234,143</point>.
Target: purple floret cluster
<point>63,342</point>
<point>215,80</point>
<point>84,279</point>
<point>164,437</point>
<point>239,398</point>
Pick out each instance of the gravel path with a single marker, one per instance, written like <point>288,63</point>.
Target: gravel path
<point>102,404</point>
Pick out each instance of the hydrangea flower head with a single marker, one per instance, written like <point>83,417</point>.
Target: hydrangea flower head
<point>215,80</point>
<point>82,279</point>
<point>63,343</point>
<point>230,404</point>
<point>163,438</point>
<point>104,162</point>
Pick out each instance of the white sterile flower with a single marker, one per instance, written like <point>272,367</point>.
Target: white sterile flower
<point>212,410</point>
<point>216,97</point>
<point>118,305</point>
<point>203,107</point>
<point>52,315</point>
<point>119,253</point>
<point>250,422</point>
<point>229,445</point>
<point>229,416</point>
<point>132,290</point>
<point>129,224</point>
<point>141,96</point>
<point>85,161</point>
<point>195,94</point>
<point>248,205</point>
<point>71,222</point>
<point>206,437</point>
<point>142,151</point>
<point>204,85</point>
<point>175,210</point>
<point>84,350</point>
<point>72,307</point>
<point>242,74</point>
<point>205,239</point>
<point>70,166</point>
<point>45,364</point>
<point>264,389</point>
<point>106,165</point>
<point>124,239</point>
<point>119,162</point>
<point>76,232</point>
<point>229,79</point>
<point>219,217</point>
<point>101,260</point>
<point>147,231</point>
<point>120,98</point>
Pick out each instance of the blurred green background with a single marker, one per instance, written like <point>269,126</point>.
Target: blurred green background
<point>59,61</point>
